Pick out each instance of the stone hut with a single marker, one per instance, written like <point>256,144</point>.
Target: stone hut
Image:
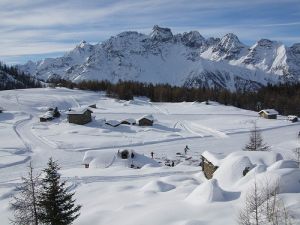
<point>146,120</point>
<point>210,163</point>
<point>268,113</point>
<point>80,116</point>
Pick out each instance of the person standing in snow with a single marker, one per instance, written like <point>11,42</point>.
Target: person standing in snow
<point>152,153</point>
<point>186,149</point>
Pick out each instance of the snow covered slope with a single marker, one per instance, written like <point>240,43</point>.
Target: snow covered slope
<point>181,59</point>
<point>164,195</point>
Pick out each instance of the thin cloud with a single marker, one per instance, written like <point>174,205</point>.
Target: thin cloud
<point>43,27</point>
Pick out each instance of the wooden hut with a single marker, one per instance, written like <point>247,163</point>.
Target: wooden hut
<point>146,120</point>
<point>268,113</point>
<point>1,109</point>
<point>210,163</point>
<point>80,116</point>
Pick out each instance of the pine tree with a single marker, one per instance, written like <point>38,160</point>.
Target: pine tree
<point>57,204</point>
<point>256,141</point>
<point>24,203</point>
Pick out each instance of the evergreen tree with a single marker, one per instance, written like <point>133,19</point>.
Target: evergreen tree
<point>256,141</point>
<point>57,204</point>
<point>24,203</point>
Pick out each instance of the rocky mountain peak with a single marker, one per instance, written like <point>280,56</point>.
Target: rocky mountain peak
<point>295,48</point>
<point>181,59</point>
<point>230,41</point>
<point>161,34</point>
<point>193,39</point>
<point>265,43</point>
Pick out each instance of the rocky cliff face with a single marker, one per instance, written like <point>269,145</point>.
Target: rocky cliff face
<point>181,59</point>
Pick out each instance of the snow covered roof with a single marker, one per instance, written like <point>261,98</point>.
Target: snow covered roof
<point>129,120</point>
<point>48,114</point>
<point>292,117</point>
<point>259,157</point>
<point>148,117</point>
<point>269,112</point>
<point>214,158</point>
<point>78,111</point>
<point>113,123</point>
<point>108,158</point>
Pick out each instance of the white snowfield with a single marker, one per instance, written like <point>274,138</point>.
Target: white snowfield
<point>160,195</point>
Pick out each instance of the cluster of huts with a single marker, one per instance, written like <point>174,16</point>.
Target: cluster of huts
<point>83,115</point>
<point>146,120</point>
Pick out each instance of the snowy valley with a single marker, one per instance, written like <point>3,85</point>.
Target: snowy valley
<point>111,192</point>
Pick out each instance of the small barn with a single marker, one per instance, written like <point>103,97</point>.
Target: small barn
<point>113,123</point>
<point>129,121</point>
<point>146,120</point>
<point>268,113</point>
<point>80,116</point>
<point>210,162</point>
<point>293,118</point>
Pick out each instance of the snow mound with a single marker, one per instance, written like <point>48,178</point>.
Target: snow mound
<point>108,158</point>
<point>231,170</point>
<point>157,186</point>
<point>207,192</point>
<point>232,167</point>
<point>283,164</point>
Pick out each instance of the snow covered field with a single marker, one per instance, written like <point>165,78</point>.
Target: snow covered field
<point>151,195</point>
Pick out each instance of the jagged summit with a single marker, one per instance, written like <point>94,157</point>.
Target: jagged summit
<point>178,59</point>
<point>161,34</point>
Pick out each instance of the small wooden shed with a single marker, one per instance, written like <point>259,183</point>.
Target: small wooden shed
<point>268,113</point>
<point>146,120</point>
<point>80,116</point>
<point>210,163</point>
<point>1,109</point>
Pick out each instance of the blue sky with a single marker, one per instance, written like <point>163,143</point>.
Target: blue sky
<point>35,29</point>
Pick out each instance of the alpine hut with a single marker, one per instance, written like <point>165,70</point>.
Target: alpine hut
<point>268,113</point>
<point>79,116</point>
<point>146,120</point>
<point>129,121</point>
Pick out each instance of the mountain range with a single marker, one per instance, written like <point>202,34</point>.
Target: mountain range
<point>186,59</point>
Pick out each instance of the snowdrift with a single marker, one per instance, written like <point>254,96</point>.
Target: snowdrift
<point>208,192</point>
<point>108,158</point>
<point>158,186</point>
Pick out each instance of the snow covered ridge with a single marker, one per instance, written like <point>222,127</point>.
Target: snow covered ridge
<point>178,59</point>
